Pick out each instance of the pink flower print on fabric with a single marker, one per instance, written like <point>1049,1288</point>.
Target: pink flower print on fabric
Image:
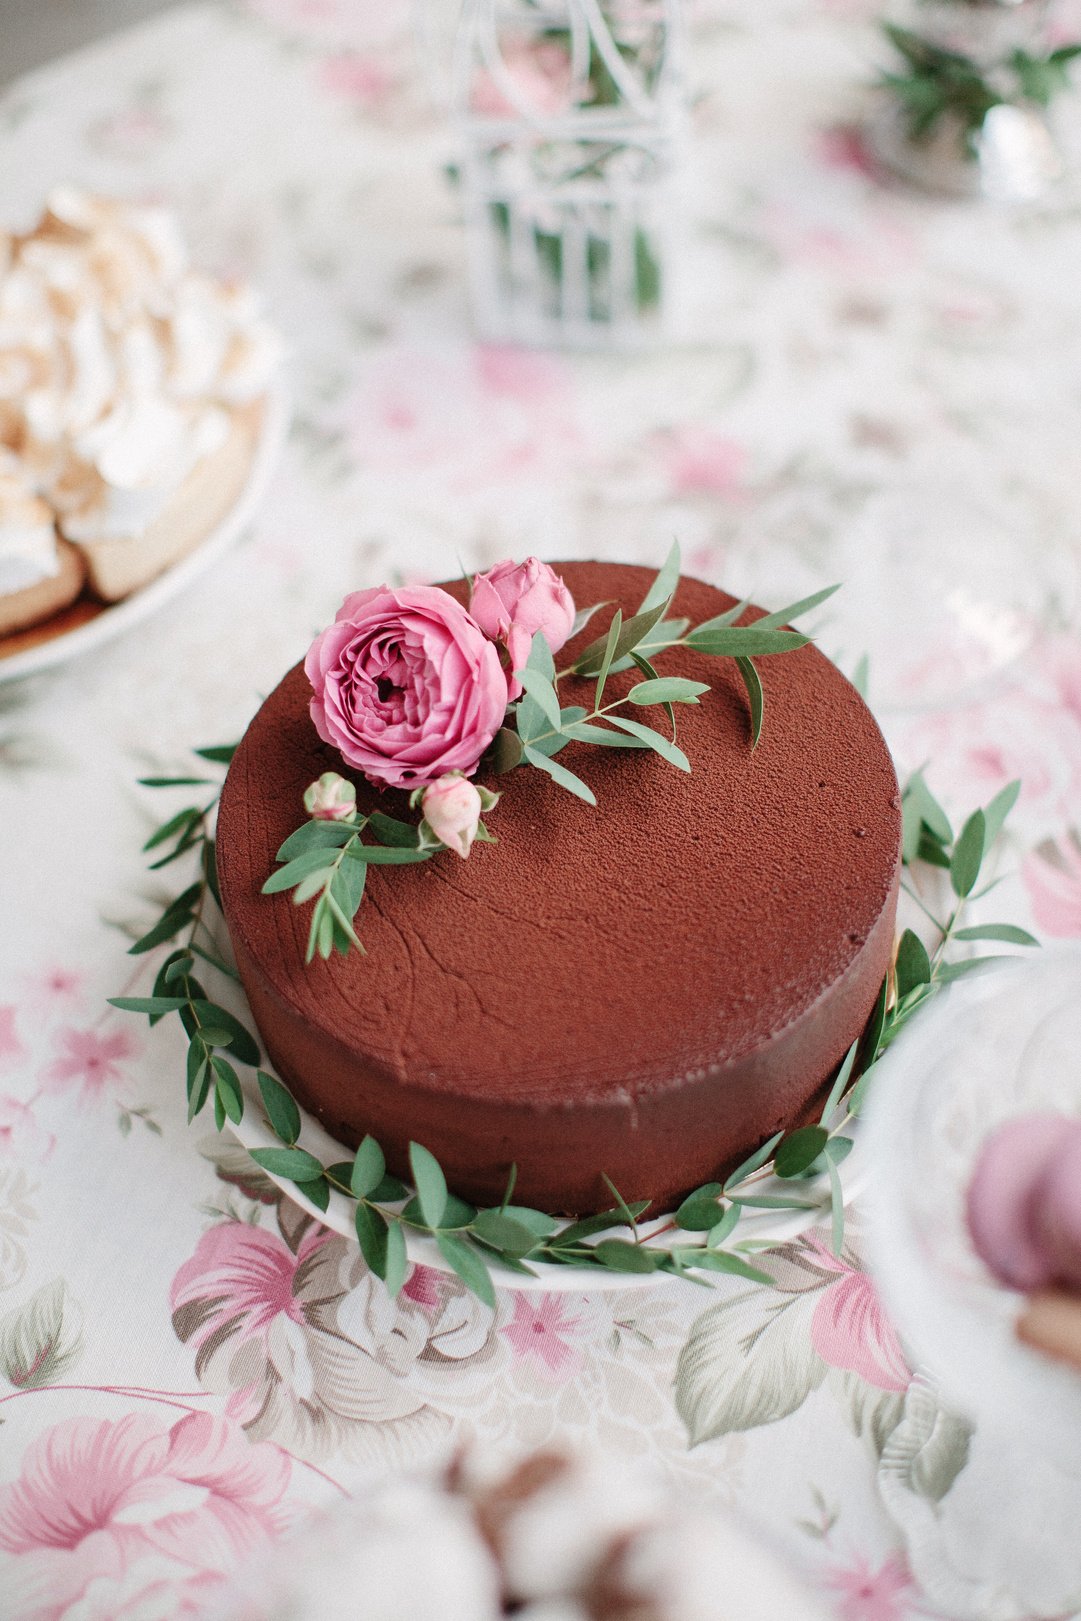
<point>11,1043</point>
<point>871,1595</point>
<point>700,461</point>
<point>850,1330</point>
<point>95,1500</point>
<point>245,1280</point>
<point>1052,875</point>
<point>57,986</point>
<point>306,1345</point>
<point>21,1138</point>
<point>360,79</point>
<point>540,1330</point>
<point>90,1060</point>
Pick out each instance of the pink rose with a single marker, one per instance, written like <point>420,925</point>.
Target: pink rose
<point>331,799</point>
<point>513,601</point>
<point>452,809</point>
<point>406,685</point>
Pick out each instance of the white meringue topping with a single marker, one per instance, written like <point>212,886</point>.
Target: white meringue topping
<point>117,363</point>
<point>28,551</point>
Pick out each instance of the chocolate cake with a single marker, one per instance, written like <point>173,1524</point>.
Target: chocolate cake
<point>646,989</point>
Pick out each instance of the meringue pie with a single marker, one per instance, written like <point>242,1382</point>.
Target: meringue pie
<point>132,394</point>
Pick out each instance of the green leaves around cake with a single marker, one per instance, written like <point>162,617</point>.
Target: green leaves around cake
<point>543,727</point>
<point>944,872</point>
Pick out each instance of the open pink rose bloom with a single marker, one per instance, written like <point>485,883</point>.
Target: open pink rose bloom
<point>406,685</point>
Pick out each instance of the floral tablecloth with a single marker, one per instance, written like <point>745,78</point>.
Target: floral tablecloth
<point>876,387</point>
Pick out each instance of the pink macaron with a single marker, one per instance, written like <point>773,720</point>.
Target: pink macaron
<point>1023,1245</point>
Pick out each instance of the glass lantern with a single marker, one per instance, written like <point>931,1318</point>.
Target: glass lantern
<point>569,115</point>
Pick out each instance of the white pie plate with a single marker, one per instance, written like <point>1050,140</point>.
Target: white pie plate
<point>759,1228</point>
<point>121,616</point>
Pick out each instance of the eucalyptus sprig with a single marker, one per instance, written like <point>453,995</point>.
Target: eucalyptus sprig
<point>542,728</point>
<point>936,82</point>
<point>699,1239</point>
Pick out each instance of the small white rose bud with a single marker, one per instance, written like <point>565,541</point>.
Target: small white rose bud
<point>331,799</point>
<point>452,808</point>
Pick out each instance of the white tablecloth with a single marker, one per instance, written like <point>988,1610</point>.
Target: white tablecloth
<point>879,388</point>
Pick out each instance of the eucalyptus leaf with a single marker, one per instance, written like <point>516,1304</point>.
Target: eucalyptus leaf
<point>608,653</point>
<point>294,1164</point>
<point>913,966</point>
<point>219,753</point>
<point>586,732</point>
<point>700,1213</point>
<point>756,697</point>
<point>243,1044</point>
<point>504,1234</point>
<point>397,1260</point>
<point>430,1183</point>
<point>281,1109</point>
<point>316,836</point>
<point>228,1083</point>
<point>300,867</point>
<point>997,811</point>
<point>1008,933</point>
<point>317,1192</point>
<point>785,616</point>
<point>372,1232</point>
<point>469,1264</point>
<point>799,1150</point>
<point>542,692</point>
<point>559,774</point>
<point>630,633</point>
<point>968,855</point>
<point>583,616</point>
<point>744,641</point>
<point>181,821</point>
<point>667,690</point>
<point>368,1169</point>
<point>655,740</point>
<point>504,752</point>
<point>840,1082</point>
<point>664,583</point>
<point>389,830</point>
<point>385,855</point>
<point>753,1163</point>
<point>148,1004</point>
<point>621,1256</point>
<point>958,970</point>
<point>724,1261</point>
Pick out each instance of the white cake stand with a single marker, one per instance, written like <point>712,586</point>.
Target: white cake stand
<point>758,1229</point>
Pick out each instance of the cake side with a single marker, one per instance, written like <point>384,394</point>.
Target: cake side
<point>647,988</point>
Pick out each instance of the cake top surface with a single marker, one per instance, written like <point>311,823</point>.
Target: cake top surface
<point>679,925</point>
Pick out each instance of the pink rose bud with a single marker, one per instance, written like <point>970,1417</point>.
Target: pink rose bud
<point>331,799</point>
<point>406,686</point>
<point>452,809</point>
<point>513,601</point>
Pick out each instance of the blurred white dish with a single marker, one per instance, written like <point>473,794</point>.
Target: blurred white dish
<point>997,1045</point>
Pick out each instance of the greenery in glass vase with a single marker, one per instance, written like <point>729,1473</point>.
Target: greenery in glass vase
<point>934,83</point>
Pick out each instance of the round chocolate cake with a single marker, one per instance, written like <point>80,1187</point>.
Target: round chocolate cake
<point>647,989</point>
